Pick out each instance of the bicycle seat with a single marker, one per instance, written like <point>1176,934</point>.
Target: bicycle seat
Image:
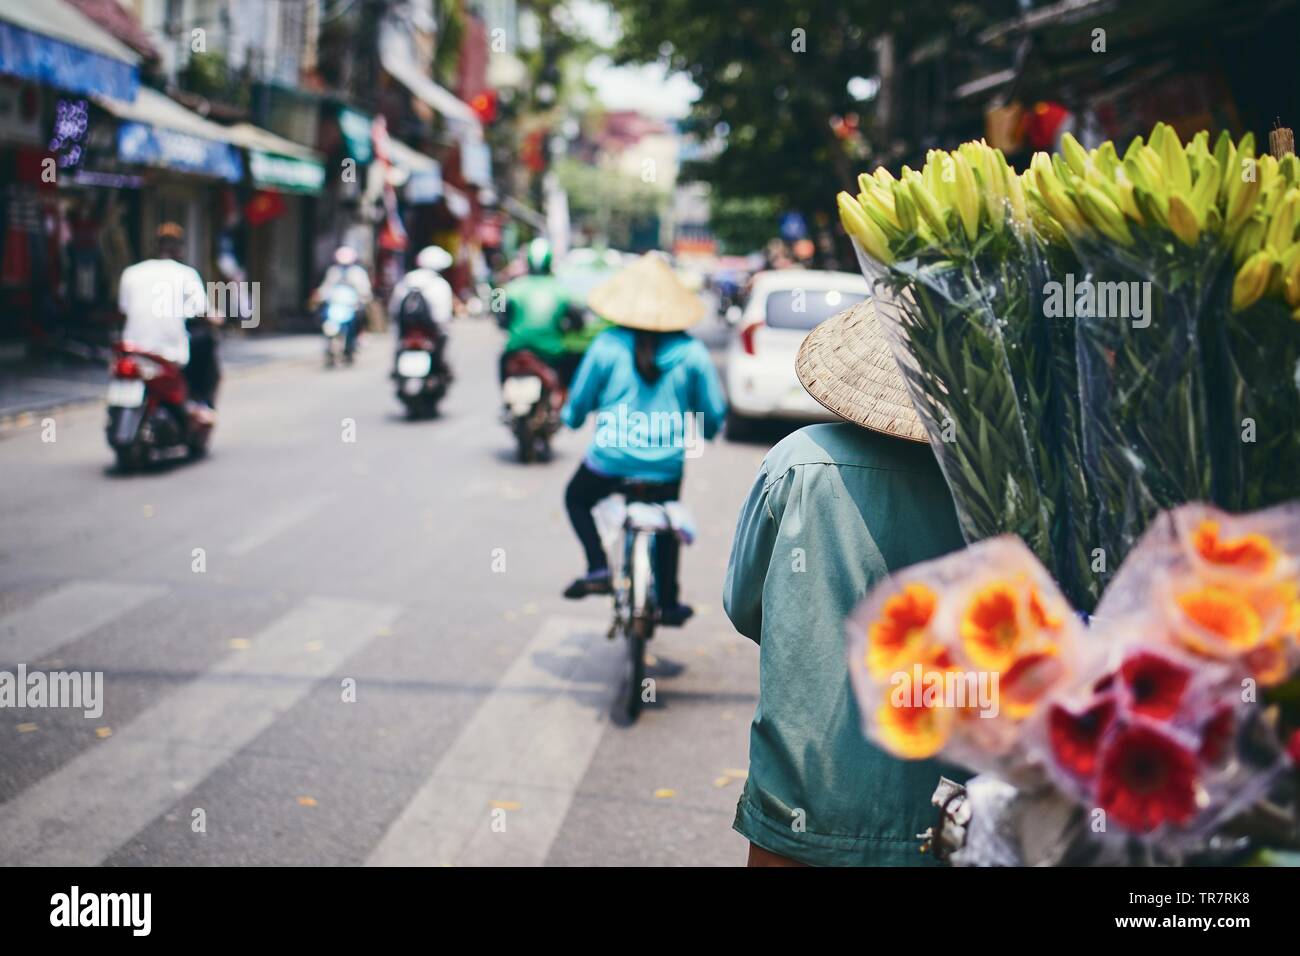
<point>669,516</point>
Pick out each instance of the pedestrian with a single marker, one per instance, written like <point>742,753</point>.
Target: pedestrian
<point>835,507</point>
<point>655,393</point>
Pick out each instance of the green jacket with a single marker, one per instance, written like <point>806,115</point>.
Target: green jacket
<point>536,307</point>
<point>834,508</point>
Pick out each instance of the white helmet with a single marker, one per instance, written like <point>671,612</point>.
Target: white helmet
<point>434,258</point>
<point>345,255</point>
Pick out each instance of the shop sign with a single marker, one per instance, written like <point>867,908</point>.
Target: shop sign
<point>147,145</point>
<point>284,173</point>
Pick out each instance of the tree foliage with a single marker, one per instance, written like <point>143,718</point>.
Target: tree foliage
<point>775,72</point>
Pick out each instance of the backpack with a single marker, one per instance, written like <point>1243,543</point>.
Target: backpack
<point>414,312</point>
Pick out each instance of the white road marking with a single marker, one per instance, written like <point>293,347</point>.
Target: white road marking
<point>66,614</point>
<point>529,743</point>
<point>80,813</point>
<point>279,523</point>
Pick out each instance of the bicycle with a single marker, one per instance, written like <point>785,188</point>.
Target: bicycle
<point>636,593</point>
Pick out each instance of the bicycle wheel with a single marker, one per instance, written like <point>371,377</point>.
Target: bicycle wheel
<point>640,621</point>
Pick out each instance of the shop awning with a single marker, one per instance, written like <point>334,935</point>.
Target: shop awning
<point>422,175</point>
<point>157,131</point>
<point>395,53</point>
<point>279,164</point>
<point>53,43</point>
<point>355,128</point>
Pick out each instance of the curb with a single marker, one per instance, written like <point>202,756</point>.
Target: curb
<point>15,421</point>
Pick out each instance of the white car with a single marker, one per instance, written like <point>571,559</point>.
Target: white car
<point>784,306</point>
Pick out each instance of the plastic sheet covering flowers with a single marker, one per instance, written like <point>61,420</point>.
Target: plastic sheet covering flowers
<point>1163,722</point>
<point>943,242</point>
<point>1097,338</point>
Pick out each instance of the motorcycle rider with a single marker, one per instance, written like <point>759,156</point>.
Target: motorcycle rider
<point>158,296</point>
<point>423,298</point>
<point>646,369</point>
<point>538,313</point>
<point>346,270</point>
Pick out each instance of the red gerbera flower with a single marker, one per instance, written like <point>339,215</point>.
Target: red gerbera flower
<point>1216,735</point>
<point>1076,738</point>
<point>1147,779</point>
<point>1155,684</point>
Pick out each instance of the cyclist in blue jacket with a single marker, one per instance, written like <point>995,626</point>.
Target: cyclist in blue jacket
<point>656,397</point>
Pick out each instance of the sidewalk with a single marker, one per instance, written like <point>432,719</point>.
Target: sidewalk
<point>27,387</point>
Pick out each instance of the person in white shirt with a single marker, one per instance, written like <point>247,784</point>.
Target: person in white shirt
<point>346,269</point>
<point>432,287</point>
<point>158,295</point>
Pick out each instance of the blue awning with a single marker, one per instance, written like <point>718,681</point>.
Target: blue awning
<point>55,44</point>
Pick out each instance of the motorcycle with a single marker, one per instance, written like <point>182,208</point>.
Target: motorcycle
<point>150,414</point>
<point>531,394</point>
<point>340,311</point>
<point>421,373</point>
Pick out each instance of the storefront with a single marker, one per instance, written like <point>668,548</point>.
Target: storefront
<point>285,179</point>
<point>57,226</point>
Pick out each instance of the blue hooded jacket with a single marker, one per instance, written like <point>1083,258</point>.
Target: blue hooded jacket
<point>644,431</point>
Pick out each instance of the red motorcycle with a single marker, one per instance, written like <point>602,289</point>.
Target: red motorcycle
<point>421,371</point>
<point>532,395</point>
<point>150,414</point>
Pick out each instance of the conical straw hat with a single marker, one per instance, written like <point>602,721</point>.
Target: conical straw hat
<point>646,296</point>
<point>846,364</point>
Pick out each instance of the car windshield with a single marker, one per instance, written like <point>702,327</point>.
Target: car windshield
<point>805,308</point>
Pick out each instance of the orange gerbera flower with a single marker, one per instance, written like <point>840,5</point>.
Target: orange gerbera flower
<point>913,731</point>
<point>1222,613</point>
<point>898,637</point>
<point>1249,554</point>
<point>1268,662</point>
<point>1026,682</point>
<point>1043,617</point>
<point>990,628</point>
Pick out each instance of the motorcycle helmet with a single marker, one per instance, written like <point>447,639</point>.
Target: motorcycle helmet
<point>345,256</point>
<point>539,256</point>
<point>434,258</point>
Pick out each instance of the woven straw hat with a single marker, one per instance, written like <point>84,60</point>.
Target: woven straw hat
<point>646,296</point>
<point>846,364</point>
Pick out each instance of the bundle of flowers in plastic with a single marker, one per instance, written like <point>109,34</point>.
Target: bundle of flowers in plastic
<point>958,656</point>
<point>1162,721</point>
<point>942,247</point>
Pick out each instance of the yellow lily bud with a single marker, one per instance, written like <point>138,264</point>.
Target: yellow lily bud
<point>1207,184</point>
<point>1183,220</point>
<point>1249,240</point>
<point>927,206</point>
<point>1175,160</point>
<point>1015,194</point>
<point>967,196</point>
<point>1075,155</point>
<point>1242,197</point>
<point>1105,215</point>
<point>1281,230</point>
<point>1291,281</point>
<point>1251,280</point>
<point>860,227</point>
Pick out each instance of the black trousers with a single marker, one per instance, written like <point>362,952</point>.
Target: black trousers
<point>586,488</point>
<point>203,373</point>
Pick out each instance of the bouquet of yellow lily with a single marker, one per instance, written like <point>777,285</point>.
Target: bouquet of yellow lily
<point>948,253</point>
<point>1097,338</point>
<point>1156,734</point>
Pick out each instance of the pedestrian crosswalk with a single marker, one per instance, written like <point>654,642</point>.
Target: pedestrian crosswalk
<point>498,795</point>
<point>527,746</point>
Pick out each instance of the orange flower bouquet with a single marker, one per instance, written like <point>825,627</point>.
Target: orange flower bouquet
<point>1160,723</point>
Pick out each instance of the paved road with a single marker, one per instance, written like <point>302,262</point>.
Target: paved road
<point>480,731</point>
